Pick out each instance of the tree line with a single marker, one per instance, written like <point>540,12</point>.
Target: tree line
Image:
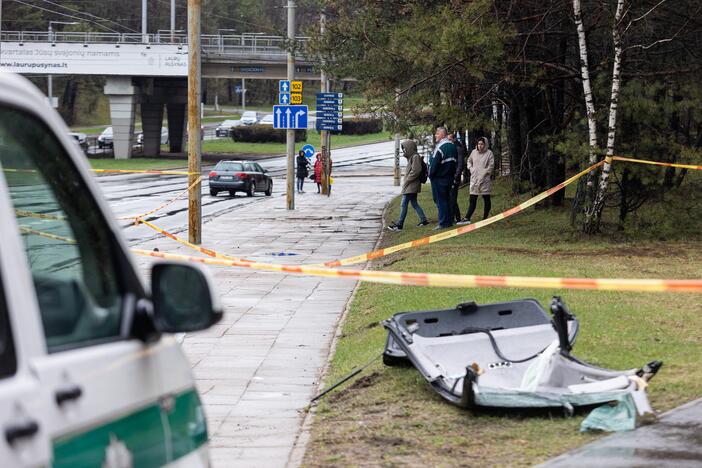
<point>556,85</point>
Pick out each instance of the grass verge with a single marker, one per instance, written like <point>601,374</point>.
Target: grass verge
<point>390,416</point>
<point>226,145</point>
<point>137,163</point>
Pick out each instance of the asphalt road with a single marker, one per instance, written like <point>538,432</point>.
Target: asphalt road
<point>134,194</point>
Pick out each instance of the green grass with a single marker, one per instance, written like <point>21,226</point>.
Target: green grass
<point>137,163</point>
<point>391,417</point>
<point>226,145</point>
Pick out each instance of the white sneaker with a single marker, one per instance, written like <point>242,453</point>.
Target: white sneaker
<point>463,222</point>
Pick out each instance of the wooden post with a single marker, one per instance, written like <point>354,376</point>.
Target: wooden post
<point>194,143</point>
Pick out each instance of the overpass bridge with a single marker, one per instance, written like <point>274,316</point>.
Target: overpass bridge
<point>150,70</point>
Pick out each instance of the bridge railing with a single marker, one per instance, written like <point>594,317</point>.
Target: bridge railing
<point>211,43</point>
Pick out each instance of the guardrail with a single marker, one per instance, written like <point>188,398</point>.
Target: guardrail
<point>211,43</point>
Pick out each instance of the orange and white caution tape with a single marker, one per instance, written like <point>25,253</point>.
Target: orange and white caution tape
<point>177,197</point>
<point>451,281</point>
<point>657,163</point>
<point>31,214</point>
<point>47,235</point>
<point>208,252</point>
<point>463,229</point>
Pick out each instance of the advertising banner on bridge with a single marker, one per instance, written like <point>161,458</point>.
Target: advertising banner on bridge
<point>94,59</point>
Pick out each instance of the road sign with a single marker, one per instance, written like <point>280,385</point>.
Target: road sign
<point>290,117</point>
<point>296,86</point>
<point>283,86</point>
<point>328,126</point>
<point>330,95</point>
<point>328,108</point>
<point>329,115</point>
<point>295,98</point>
<point>284,98</point>
<point>308,150</point>
<point>329,102</point>
<point>237,89</point>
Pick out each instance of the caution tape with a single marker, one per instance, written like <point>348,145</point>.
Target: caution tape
<point>657,163</point>
<point>208,252</point>
<point>143,215</point>
<point>451,281</point>
<point>47,235</point>
<point>31,214</point>
<point>461,230</point>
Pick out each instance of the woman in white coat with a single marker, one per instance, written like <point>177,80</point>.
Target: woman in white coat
<point>480,164</point>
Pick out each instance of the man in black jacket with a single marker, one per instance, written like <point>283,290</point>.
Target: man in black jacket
<point>442,168</point>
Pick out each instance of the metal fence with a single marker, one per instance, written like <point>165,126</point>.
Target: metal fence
<point>211,43</point>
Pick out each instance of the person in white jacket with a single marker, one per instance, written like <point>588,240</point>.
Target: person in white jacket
<point>480,164</point>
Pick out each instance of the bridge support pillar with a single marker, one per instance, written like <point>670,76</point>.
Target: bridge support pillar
<point>151,122</point>
<point>122,95</point>
<point>177,118</point>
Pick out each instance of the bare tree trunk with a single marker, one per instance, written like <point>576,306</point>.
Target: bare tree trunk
<point>587,90</point>
<point>594,215</point>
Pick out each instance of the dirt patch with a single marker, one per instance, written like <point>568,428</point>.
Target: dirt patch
<point>363,382</point>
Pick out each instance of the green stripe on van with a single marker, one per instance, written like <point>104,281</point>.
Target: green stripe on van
<point>139,436</point>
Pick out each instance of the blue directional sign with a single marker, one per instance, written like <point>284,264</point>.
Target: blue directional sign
<point>329,115</point>
<point>328,108</point>
<point>284,98</point>
<point>284,86</point>
<point>330,95</point>
<point>290,117</point>
<point>328,126</point>
<point>237,89</point>
<point>308,150</point>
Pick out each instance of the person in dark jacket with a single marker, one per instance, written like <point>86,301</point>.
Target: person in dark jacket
<point>442,168</point>
<point>456,184</point>
<point>302,170</point>
<point>411,186</point>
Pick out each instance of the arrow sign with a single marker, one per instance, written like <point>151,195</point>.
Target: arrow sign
<point>308,150</point>
<point>284,98</point>
<point>283,86</point>
<point>290,117</point>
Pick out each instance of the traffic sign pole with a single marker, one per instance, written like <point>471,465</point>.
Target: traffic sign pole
<point>290,134</point>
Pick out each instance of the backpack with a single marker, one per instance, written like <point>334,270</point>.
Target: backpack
<point>424,173</point>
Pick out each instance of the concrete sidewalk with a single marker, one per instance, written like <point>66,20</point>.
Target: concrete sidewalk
<point>260,366</point>
<point>675,440</point>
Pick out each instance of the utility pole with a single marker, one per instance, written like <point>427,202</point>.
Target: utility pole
<point>243,94</point>
<point>324,134</point>
<point>194,143</point>
<point>144,34</point>
<point>172,21</point>
<point>290,134</point>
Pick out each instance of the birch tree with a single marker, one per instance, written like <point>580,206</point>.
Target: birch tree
<point>594,214</point>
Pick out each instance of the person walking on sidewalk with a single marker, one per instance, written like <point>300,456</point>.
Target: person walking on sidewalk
<point>456,183</point>
<point>480,164</point>
<point>302,170</point>
<point>442,168</point>
<point>318,171</point>
<point>411,186</point>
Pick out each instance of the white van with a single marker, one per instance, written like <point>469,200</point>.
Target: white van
<point>89,373</point>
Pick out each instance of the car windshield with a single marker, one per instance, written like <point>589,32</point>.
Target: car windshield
<point>229,166</point>
<point>228,123</point>
<point>249,115</point>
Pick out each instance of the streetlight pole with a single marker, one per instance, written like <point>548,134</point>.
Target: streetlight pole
<point>290,134</point>
<point>194,143</point>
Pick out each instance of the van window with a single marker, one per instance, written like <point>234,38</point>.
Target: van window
<point>8,359</point>
<point>69,248</point>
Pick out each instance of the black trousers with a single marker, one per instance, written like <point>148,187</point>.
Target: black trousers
<point>474,201</point>
<point>453,202</point>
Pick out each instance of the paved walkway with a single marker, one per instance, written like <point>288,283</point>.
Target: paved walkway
<point>676,441</point>
<point>260,366</point>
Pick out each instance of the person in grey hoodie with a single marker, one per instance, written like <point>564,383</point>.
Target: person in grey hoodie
<point>411,186</point>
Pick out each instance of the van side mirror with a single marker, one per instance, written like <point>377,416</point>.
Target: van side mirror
<point>182,298</point>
